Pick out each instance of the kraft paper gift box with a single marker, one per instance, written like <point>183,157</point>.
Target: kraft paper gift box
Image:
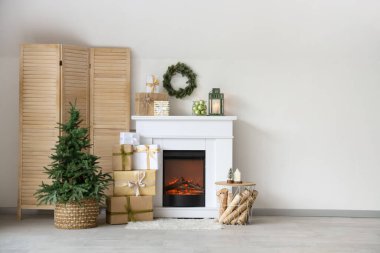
<point>144,102</point>
<point>120,210</point>
<point>145,157</point>
<point>134,183</point>
<point>122,157</point>
<point>129,138</point>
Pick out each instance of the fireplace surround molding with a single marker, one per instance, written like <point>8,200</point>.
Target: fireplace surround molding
<point>213,134</point>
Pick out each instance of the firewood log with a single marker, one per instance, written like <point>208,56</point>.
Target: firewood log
<point>234,221</point>
<point>239,198</point>
<point>229,198</point>
<point>243,218</point>
<point>230,207</point>
<point>254,196</point>
<point>245,204</point>
<point>183,184</point>
<point>224,190</point>
<point>222,196</point>
<point>241,208</point>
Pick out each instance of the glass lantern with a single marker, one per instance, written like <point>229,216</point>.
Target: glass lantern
<point>215,103</point>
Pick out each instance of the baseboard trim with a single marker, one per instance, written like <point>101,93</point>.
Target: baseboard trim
<point>317,213</point>
<point>257,212</point>
<point>13,210</point>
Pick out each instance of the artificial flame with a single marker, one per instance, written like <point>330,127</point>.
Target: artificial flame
<point>182,186</point>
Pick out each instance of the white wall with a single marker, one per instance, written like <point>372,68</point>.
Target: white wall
<point>302,76</point>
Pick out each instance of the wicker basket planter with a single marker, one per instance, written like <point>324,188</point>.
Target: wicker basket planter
<point>76,215</point>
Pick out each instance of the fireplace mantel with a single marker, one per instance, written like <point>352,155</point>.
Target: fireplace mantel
<point>207,127</point>
<point>214,134</point>
<point>185,118</point>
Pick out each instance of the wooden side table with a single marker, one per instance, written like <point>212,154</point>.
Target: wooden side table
<point>238,188</point>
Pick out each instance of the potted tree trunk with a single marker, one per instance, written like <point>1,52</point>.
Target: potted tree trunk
<point>78,183</point>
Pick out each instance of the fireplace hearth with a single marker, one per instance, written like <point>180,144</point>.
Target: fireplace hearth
<point>183,178</point>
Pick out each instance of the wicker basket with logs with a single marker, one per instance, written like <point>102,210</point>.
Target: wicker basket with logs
<point>235,210</point>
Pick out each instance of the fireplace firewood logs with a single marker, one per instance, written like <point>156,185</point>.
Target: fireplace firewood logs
<point>222,196</point>
<point>235,210</point>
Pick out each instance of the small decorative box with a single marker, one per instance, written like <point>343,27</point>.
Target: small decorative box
<point>152,84</point>
<point>161,108</point>
<point>129,138</point>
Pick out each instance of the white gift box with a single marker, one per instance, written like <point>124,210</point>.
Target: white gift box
<point>146,157</point>
<point>152,84</point>
<point>129,138</point>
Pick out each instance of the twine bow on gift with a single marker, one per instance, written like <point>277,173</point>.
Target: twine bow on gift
<point>152,86</point>
<point>150,153</point>
<point>147,101</point>
<point>138,183</point>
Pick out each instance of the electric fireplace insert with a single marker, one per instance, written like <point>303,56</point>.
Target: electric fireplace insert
<point>184,178</point>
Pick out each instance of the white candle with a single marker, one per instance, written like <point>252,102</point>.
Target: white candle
<point>237,175</point>
<point>215,106</point>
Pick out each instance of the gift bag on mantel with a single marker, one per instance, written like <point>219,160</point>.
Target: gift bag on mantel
<point>120,210</point>
<point>134,183</point>
<point>145,157</point>
<point>122,157</point>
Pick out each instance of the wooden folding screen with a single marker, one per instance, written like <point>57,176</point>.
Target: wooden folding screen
<point>51,76</point>
<point>39,113</point>
<point>75,81</point>
<point>109,99</point>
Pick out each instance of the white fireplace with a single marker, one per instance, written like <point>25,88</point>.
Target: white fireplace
<point>213,134</point>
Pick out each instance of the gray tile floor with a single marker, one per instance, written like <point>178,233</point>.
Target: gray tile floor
<point>265,234</point>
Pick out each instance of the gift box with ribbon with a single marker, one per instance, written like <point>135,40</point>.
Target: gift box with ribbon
<point>122,157</point>
<point>134,183</point>
<point>161,108</point>
<point>146,157</point>
<point>152,84</point>
<point>144,102</point>
<point>129,138</point>
<point>120,210</point>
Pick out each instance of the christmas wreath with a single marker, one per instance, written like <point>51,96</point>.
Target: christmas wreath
<point>184,70</point>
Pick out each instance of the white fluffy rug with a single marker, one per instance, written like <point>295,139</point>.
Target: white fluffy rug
<point>175,224</point>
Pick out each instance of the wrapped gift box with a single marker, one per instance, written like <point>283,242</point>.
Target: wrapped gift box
<point>161,108</point>
<point>122,157</point>
<point>152,84</point>
<point>144,102</point>
<point>134,182</point>
<point>120,210</point>
<point>146,157</point>
<point>129,138</point>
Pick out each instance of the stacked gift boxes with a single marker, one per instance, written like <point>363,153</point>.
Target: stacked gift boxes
<point>134,172</point>
<point>152,102</point>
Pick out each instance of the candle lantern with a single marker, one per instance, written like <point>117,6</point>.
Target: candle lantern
<point>216,102</point>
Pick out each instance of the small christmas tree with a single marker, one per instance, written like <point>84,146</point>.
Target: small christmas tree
<point>74,172</point>
<point>230,177</point>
